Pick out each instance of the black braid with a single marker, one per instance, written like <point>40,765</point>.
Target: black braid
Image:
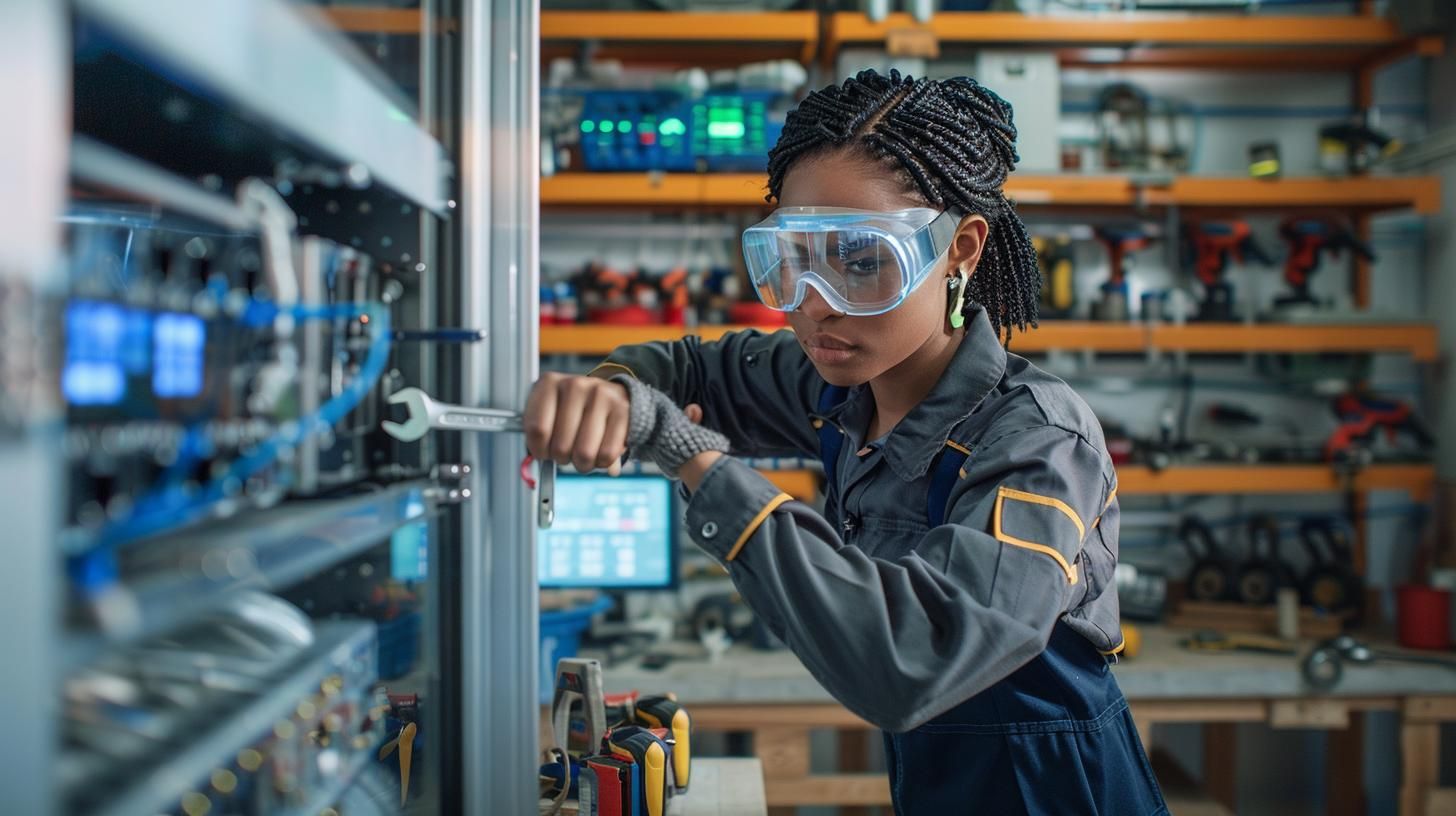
<point>950,140</point>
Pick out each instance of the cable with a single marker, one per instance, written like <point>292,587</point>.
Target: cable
<point>172,505</point>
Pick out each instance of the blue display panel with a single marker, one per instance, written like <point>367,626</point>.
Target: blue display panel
<point>610,533</point>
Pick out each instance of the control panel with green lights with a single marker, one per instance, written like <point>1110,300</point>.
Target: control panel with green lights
<point>719,131</point>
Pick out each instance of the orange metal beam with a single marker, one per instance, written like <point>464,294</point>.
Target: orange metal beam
<point>374,20</point>
<point>657,26</point>
<point>1133,480</point>
<point>1420,193</point>
<point>1223,59</point>
<point>1115,29</point>
<point>1419,341</point>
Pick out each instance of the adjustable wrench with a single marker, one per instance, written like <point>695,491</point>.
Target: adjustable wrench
<point>425,414</point>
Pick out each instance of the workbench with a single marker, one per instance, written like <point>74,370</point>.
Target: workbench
<point>770,696</point>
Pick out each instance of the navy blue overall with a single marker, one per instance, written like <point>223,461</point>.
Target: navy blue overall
<point>1054,737</point>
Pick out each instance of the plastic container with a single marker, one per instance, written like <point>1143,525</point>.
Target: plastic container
<point>561,637</point>
<point>749,313</point>
<point>1423,617</point>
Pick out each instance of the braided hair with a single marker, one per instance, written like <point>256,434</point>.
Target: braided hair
<point>951,141</point>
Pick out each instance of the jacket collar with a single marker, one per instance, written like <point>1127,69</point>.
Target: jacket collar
<point>977,367</point>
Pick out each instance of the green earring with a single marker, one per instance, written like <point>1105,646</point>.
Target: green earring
<point>957,289</point>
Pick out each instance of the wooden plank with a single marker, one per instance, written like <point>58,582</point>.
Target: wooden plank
<point>1200,711</point>
<point>723,787</point>
<point>1441,800</point>
<point>1345,769</point>
<point>751,717</point>
<point>1220,763</point>
<point>1430,709</point>
<point>1311,712</point>
<point>784,750</point>
<point>829,789</point>
<point>854,747</point>
<point>1420,760</point>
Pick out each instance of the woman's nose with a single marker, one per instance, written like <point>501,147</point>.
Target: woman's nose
<point>815,307</point>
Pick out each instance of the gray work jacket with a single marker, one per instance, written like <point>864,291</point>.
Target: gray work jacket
<point>901,622</point>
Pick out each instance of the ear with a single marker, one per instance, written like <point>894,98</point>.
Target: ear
<point>966,246</point>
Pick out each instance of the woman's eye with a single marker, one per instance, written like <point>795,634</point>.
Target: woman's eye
<point>863,266</point>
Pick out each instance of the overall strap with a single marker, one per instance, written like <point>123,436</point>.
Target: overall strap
<point>944,474</point>
<point>830,439</point>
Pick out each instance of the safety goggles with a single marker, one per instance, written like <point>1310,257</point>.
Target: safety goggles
<point>863,262</point>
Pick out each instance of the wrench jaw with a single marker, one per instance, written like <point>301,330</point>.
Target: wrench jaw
<point>418,423</point>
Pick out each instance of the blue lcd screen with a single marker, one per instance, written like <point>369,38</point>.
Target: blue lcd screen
<point>94,373</point>
<point>178,341</point>
<point>610,533</point>
<point>108,344</point>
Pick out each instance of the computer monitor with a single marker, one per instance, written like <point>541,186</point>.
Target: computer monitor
<point>610,533</point>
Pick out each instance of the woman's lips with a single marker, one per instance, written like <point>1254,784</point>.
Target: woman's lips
<point>826,348</point>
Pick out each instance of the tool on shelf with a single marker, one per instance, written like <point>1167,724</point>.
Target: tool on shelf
<point>425,414</point>
<point>1309,239</point>
<point>1361,415</point>
<point>1058,290</point>
<point>1350,146</point>
<point>1330,583</point>
<point>1112,305</point>
<point>1264,571</point>
<point>1212,576</point>
<point>1211,244</point>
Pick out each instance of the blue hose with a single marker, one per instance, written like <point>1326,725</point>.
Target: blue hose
<point>171,505</point>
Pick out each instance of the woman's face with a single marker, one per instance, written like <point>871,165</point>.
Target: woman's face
<point>852,350</point>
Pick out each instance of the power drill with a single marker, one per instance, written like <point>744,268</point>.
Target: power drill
<point>1212,243</point>
<point>1307,238</point>
<point>1345,146</point>
<point>1058,294</point>
<point>1113,304</point>
<point>1361,415</point>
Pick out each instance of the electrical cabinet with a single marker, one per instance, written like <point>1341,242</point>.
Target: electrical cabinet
<point>230,591</point>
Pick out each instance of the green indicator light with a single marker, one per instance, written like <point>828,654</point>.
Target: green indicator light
<point>587,126</point>
<point>672,126</point>
<point>624,126</point>
<point>607,126</point>
<point>725,130</point>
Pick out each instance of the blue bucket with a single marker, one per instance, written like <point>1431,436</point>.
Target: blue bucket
<point>561,637</point>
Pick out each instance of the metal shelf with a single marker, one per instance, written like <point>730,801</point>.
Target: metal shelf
<point>1416,479</point>
<point>1370,193</point>
<point>174,578</point>
<point>157,790</point>
<point>1419,340</point>
<point>1160,40</point>
<point>276,66</point>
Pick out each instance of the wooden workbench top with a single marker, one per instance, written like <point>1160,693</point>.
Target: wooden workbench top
<point>1162,671</point>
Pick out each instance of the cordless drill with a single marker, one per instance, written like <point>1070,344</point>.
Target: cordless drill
<point>1212,244</point>
<point>1307,239</point>
<point>1113,305</point>
<point>1361,415</point>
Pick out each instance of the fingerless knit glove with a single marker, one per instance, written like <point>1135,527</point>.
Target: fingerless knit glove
<point>658,431</point>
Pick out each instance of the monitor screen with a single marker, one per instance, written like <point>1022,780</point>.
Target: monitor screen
<point>610,533</point>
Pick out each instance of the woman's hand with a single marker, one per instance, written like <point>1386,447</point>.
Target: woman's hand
<point>580,421</point>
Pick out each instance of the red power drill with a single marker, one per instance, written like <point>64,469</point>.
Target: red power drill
<point>1307,238</point>
<point>1212,244</point>
<point>1113,305</point>
<point>1361,415</point>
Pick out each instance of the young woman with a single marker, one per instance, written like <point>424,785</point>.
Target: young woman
<point>957,592</point>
